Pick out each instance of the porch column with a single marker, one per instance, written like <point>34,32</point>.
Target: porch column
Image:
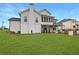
<point>48,29</point>
<point>51,19</point>
<point>48,19</point>
<point>43,18</point>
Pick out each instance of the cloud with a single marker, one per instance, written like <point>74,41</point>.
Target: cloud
<point>8,15</point>
<point>13,8</point>
<point>7,8</point>
<point>9,11</point>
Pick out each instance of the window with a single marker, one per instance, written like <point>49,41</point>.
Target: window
<point>36,20</point>
<point>74,26</point>
<point>25,19</point>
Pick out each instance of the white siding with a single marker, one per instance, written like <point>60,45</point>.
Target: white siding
<point>24,25</point>
<point>70,33</point>
<point>15,26</point>
<point>30,25</point>
<point>68,25</point>
<point>35,27</point>
<point>77,31</point>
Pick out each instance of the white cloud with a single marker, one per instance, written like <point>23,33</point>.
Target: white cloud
<point>7,8</point>
<point>9,11</point>
<point>10,7</point>
<point>9,15</point>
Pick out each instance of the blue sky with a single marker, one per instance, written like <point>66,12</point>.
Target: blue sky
<point>59,10</point>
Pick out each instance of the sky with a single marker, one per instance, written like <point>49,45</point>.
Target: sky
<point>59,10</point>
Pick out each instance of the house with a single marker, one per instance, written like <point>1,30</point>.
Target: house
<point>67,25</point>
<point>77,27</point>
<point>32,21</point>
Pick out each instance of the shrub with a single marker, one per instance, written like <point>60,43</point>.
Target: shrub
<point>18,32</point>
<point>12,32</point>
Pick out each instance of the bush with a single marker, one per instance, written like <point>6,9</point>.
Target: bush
<point>18,32</point>
<point>59,31</point>
<point>12,32</point>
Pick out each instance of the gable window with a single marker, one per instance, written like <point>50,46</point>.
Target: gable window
<point>36,20</point>
<point>25,19</point>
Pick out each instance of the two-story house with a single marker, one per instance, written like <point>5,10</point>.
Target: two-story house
<point>69,25</point>
<point>32,21</point>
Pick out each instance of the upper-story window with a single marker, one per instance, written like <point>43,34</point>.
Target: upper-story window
<point>36,20</point>
<point>25,19</point>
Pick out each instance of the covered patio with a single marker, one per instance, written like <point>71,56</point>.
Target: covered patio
<point>47,28</point>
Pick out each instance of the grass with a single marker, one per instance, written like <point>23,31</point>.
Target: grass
<point>38,44</point>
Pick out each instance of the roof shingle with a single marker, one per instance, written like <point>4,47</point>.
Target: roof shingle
<point>14,19</point>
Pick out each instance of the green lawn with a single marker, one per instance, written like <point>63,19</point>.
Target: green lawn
<point>38,44</point>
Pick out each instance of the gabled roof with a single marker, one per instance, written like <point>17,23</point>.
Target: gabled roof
<point>45,10</point>
<point>25,10</point>
<point>37,12</point>
<point>29,10</point>
<point>64,20</point>
<point>14,19</point>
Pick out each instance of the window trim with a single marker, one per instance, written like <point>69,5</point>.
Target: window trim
<point>36,20</point>
<point>25,19</point>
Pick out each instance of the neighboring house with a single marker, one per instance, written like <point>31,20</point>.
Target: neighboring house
<point>77,24</point>
<point>69,25</point>
<point>31,21</point>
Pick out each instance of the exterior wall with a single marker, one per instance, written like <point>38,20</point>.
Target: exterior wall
<point>70,33</point>
<point>24,25</point>
<point>14,26</point>
<point>77,32</point>
<point>34,26</point>
<point>30,26</point>
<point>68,25</point>
<point>59,29</point>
